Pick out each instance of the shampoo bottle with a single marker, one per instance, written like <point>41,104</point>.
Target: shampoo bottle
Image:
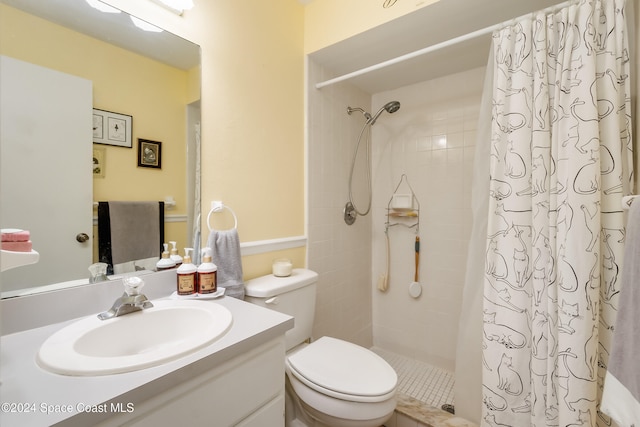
<point>187,275</point>
<point>165,263</point>
<point>207,274</point>
<point>175,256</point>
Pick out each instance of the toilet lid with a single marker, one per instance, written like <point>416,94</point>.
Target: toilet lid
<point>343,367</point>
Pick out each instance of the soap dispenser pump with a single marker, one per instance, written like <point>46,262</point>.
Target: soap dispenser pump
<point>207,274</point>
<point>187,275</point>
<point>165,263</point>
<point>175,256</point>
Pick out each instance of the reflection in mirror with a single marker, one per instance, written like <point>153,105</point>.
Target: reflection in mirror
<point>151,77</point>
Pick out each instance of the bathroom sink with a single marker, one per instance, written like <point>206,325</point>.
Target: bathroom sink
<point>168,330</point>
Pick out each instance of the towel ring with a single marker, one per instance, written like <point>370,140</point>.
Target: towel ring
<point>218,207</point>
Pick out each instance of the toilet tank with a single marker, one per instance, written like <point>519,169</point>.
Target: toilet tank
<point>294,295</point>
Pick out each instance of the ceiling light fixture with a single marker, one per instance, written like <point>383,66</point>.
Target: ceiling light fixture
<point>176,6</point>
<point>102,7</point>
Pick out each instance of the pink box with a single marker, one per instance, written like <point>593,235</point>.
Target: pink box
<point>15,235</point>
<point>17,246</point>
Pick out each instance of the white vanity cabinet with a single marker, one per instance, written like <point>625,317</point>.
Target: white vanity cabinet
<point>245,391</point>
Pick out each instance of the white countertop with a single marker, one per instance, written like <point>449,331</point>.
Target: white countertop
<point>31,396</point>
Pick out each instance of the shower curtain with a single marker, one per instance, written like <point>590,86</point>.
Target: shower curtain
<point>560,160</point>
<point>196,232</point>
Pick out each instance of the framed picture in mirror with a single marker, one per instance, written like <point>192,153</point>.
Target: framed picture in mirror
<point>99,162</point>
<point>149,153</point>
<point>112,128</point>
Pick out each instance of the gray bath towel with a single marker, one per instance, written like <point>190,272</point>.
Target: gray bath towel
<point>130,232</point>
<point>621,395</point>
<point>225,251</point>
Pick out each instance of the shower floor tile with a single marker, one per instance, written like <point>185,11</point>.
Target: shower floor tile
<point>420,380</point>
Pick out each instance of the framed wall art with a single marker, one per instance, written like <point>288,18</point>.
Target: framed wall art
<point>112,128</point>
<point>99,163</point>
<point>149,153</point>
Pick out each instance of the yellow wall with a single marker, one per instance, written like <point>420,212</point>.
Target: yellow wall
<point>330,21</point>
<point>126,83</point>
<point>193,85</point>
<point>252,113</point>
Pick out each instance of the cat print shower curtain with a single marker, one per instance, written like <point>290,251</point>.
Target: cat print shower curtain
<point>561,160</point>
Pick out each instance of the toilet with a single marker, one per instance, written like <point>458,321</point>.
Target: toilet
<point>330,382</point>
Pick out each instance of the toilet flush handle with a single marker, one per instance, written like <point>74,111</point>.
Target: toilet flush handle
<point>273,301</point>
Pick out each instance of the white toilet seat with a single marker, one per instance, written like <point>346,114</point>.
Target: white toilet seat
<point>343,370</point>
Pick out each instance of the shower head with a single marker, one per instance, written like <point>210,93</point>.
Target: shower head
<point>389,107</point>
<point>392,106</point>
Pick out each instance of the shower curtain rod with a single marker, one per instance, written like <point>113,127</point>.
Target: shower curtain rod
<point>429,49</point>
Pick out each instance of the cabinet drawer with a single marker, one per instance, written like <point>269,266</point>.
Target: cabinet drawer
<point>271,414</point>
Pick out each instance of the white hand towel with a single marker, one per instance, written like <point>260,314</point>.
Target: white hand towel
<point>225,251</point>
<point>621,395</point>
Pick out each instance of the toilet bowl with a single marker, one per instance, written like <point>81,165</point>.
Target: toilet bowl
<point>342,384</point>
<point>330,382</point>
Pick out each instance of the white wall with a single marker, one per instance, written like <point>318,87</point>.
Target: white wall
<point>338,252</point>
<point>431,139</point>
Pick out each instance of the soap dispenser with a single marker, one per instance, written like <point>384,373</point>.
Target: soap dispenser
<point>207,274</point>
<point>165,263</point>
<point>187,275</point>
<point>175,256</point>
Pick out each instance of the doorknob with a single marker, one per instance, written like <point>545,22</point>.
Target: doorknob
<point>82,237</point>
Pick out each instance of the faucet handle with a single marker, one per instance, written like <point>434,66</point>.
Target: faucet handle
<point>98,272</point>
<point>132,285</point>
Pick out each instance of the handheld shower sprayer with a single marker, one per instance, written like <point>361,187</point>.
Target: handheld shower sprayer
<point>389,107</point>
<point>350,210</point>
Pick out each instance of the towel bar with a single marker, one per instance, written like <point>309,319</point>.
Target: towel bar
<point>168,203</point>
<point>217,206</point>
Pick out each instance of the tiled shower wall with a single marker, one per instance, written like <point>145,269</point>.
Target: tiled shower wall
<point>341,254</point>
<point>431,140</point>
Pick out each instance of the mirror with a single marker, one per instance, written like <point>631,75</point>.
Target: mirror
<point>152,77</point>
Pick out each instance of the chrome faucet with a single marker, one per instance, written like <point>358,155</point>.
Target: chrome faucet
<point>132,300</point>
